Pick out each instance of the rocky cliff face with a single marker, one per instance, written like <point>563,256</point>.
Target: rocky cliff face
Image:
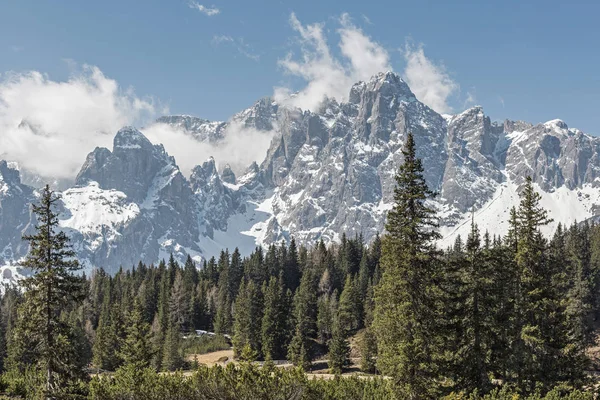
<point>332,171</point>
<point>129,204</point>
<point>326,173</point>
<point>15,215</point>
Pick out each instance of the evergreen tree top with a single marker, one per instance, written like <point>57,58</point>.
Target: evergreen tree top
<point>412,220</point>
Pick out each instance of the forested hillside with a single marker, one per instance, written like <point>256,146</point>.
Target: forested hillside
<point>501,315</point>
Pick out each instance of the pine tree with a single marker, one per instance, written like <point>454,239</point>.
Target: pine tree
<point>200,311</point>
<point>223,318</point>
<point>274,327</point>
<point>172,359</point>
<point>106,349</point>
<point>595,272</point>
<point>148,295</point>
<point>300,350</point>
<point>210,271</point>
<point>499,253</point>
<point>292,267</point>
<point>474,314</point>
<point>226,296</point>
<point>545,354</point>
<point>375,259</point>
<point>136,350</point>
<point>350,307</point>
<point>364,274</point>
<point>52,288</point>
<point>327,308</point>
<point>533,297</point>
<point>247,318</point>
<point>78,352</point>
<point>164,291</point>
<point>579,283</point>
<point>157,341</point>
<point>404,301</point>
<point>190,272</point>
<point>339,348</point>
<point>368,351</point>
<point>7,311</point>
<point>235,273</point>
<point>179,303</point>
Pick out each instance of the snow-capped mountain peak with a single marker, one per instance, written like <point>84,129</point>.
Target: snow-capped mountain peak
<point>326,172</point>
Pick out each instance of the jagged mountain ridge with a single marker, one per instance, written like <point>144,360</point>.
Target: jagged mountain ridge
<point>326,173</point>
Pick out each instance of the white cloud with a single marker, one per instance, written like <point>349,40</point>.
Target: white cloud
<point>471,98</point>
<point>328,75</point>
<point>429,82</point>
<point>324,73</point>
<point>240,44</point>
<point>49,126</point>
<point>210,11</point>
<point>218,39</point>
<point>239,149</point>
<point>501,99</point>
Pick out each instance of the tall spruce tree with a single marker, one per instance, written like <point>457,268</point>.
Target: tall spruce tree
<point>179,303</point>
<point>291,267</point>
<point>339,348</point>
<point>275,330</point>
<point>327,308</point>
<point>543,349</point>
<point>108,341</point>
<point>404,301</point>
<point>247,318</point>
<point>300,350</point>
<point>533,296</point>
<point>136,350</point>
<point>474,315</point>
<point>53,287</point>
<point>350,306</point>
<point>171,355</point>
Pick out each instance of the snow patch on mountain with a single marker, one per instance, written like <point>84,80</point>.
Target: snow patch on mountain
<point>564,206</point>
<point>90,208</point>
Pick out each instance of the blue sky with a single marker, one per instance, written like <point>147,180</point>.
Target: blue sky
<point>534,61</point>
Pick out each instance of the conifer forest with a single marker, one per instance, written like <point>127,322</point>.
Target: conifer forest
<point>512,317</point>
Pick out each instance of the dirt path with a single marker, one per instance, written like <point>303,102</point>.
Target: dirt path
<point>216,357</point>
<point>320,369</point>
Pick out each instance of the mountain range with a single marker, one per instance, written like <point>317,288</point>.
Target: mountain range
<point>326,173</point>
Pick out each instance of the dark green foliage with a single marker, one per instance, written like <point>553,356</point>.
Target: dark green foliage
<point>541,347</point>
<point>327,309</point>
<point>405,297</point>
<point>350,306</point>
<point>44,337</point>
<point>292,267</point>
<point>171,353</point>
<point>107,341</point>
<point>248,317</point>
<point>489,318</point>
<point>180,303</point>
<point>136,349</point>
<point>275,326</point>
<point>368,352</point>
<point>300,350</point>
<point>246,381</point>
<point>339,348</point>
<point>469,309</point>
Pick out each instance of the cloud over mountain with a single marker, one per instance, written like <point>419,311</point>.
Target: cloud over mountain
<point>49,126</point>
